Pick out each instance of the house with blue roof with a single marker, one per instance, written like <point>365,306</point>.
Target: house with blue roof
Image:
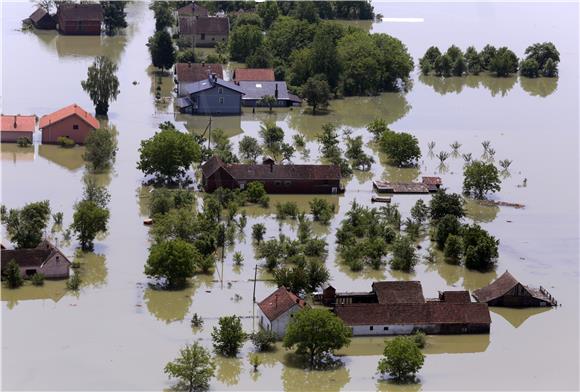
<point>212,96</point>
<point>255,91</point>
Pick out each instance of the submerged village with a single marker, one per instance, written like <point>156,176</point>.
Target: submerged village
<point>280,195</point>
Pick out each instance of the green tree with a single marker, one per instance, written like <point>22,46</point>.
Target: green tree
<point>377,127</point>
<point>271,133</point>
<point>95,193</point>
<point>193,368</point>
<point>258,231</point>
<point>114,16</point>
<point>102,84</point>
<point>268,101</point>
<point>473,60</point>
<point>12,275</point>
<point>504,62</point>
<point>402,148</point>
<point>454,53</point>
<point>256,192</point>
<point>420,211</point>
<point>263,340</point>
<point>100,148</point>
<point>316,91</point>
<point>394,61</point>
<point>163,15</point>
<point>172,260</point>
<point>250,148</point>
<point>487,54</point>
<point>550,69</point>
<point>480,249</point>
<point>542,53</point>
<point>402,358</point>
<point>427,62</point>
<point>321,210</point>
<point>459,67</point>
<point>268,11</point>
<point>168,154</point>
<point>359,62</point>
<point>287,35</point>
<point>529,68</point>
<point>354,152</point>
<point>89,219</point>
<point>316,333</point>
<point>161,50</point>
<point>37,279</point>
<point>260,58</point>
<point>243,41</point>
<point>229,337</point>
<point>453,248</point>
<point>26,225</point>
<point>446,226</point>
<point>324,53</point>
<point>480,178</point>
<point>443,65</point>
<point>443,203</point>
<point>404,256</point>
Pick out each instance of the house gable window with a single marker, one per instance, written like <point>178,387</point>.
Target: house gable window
<point>221,99</point>
<point>75,126</point>
<point>220,90</point>
<point>202,36</point>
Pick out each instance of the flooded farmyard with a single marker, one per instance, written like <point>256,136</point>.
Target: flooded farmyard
<point>118,332</point>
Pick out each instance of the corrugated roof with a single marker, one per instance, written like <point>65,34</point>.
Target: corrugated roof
<point>254,74</point>
<point>204,25</point>
<point>195,72</point>
<point>404,292</point>
<point>259,89</point>
<point>80,12</point>
<point>279,302</point>
<point>192,10</point>
<point>202,85</point>
<point>17,123</point>
<point>431,180</point>
<point>183,102</point>
<point>66,112</point>
<point>496,289</point>
<point>459,296</point>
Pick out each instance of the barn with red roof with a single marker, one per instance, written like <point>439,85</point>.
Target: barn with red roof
<point>71,121</point>
<point>276,310</point>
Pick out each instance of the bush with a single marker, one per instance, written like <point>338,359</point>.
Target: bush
<point>256,192</point>
<point>258,231</point>
<point>23,141</point>
<point>401,148</point>
<point>287,209</point>
<point>402,358</point>
<point>321,210</point>
<point>263,340</point>
<point>12,275</point>
<point>101,148</point>
<point>404,257</point>
<point>194,368</point>
<point>453,248</point>
<point>74,282</point>
<point>529,68</point>
<point>65,141</point>
<point>446,204</point>
<point>420,339</point>
<point>479,247</point>
<point>446,226</point>
<point>229,337</point>
<point>37,279</point>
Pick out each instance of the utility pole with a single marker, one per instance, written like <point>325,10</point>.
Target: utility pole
<point>255,277</point>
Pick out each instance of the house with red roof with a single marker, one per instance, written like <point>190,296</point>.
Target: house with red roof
<point>277,309</point>
<point>14,127</point>
<point>71,121</point>
<point>253,75</point>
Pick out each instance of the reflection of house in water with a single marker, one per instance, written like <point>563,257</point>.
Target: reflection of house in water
<point>231,125</point>
<point>69,158</point>
<point>507,291</point>
<point>51,290</point>
<point>14,153</point>
<point>516,317</point>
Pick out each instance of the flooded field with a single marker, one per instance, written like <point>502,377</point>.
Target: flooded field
<point>117,333</point>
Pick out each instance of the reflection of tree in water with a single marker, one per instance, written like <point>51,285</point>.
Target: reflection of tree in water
<point>400,174</point>
<point>452,274</point>
<point>539,87</point>
<point>169,305</point>
<point>69,158</point>
<point>479,212</point>
<point>162,86</point>
<point>455,84</point>
<point>231,125</point>
<point>13,152</point>
<point>392,386</point>
<point>93,269</point>
<point>228,369</point>
<point>295,378</point>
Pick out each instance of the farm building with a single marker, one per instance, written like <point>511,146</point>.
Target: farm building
<point>42,20</point>
<point>291,179</point>
<point>192,10</point>
<point>276,310</point>
<point>204,31</point>
<point>71,121</point>
<point>254,75</point>
<point>45,259</point>
<point>195,72</point>
<point>509,292</point>
<point>212,96</point>
<point>14,127</point>
<point>79,19</point>
<point>427,185</point>
<point>254,91</point>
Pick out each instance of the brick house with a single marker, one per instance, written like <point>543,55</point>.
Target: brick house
<point>45,259</point>
<point>14,127</point>
<point>71,121</point>
<point>277,309</point>
<point>79,19</point>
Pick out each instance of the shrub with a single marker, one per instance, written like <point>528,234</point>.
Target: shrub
<point>74,282</point>
<point>286,209</point>
<point>229,336</point>
<point>420,339</point>
<point>479,247</point>
<point>401,148</point>
<point>23,141</point>
<point>263,340</point>
<point>37,279</point>
<point>453,248</point>
<point>321,210</point>
<point>256,192</point>
<point>402,358</point>
<point>404,257</point>
<point>447,225</point>
<point>12,275</point>
<point>446,204</point>
<point>258,231</point>
<point>65,141</point>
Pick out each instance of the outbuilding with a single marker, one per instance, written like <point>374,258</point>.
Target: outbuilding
<point>71,121</point>
<point>255,91</point>
<point>42,20</point>
<point>79,19</point>
<point>45,259</point>
<point>277,309</point>
<point>14,127</point>
<point>509,292</point>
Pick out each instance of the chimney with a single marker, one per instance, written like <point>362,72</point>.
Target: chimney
<point>15,123</point>
<point>276,92</point>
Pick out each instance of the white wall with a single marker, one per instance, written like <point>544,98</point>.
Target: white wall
<point>279,325</point>
<point>396,329</point>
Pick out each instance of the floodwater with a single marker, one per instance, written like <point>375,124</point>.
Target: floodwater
<point>118,333</point>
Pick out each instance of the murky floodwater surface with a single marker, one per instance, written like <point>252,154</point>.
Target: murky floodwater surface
<point>118,333</point>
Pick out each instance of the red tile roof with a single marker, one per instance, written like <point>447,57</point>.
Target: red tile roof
<point>66,112</point>
<point>188,72</point>
<point>254,74</point>
<point>12,123</point>
<point>192,10</point>
<point>458,296</point>
<point>431,180</point>
<point>496,289</point>
<point>394,292</point>
<point>210,25</point>
<point>279,302</point>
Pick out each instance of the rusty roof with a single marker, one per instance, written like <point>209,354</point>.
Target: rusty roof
<point>194,72</point>
<point>455,296</point>
<point>192,10</point>
<point>431,180</point>
<point>393,292</point>
<point>401,187</point>
<point>279,302</point>
<point>17,123</point>
<point>414,313</point>
<point>80,12</point>
<point>204,25</point>
<point>66,112</point>
<point>254,74</point>
<point>496,289</point>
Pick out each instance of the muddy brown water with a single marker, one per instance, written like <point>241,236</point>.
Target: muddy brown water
<point>118,333</point>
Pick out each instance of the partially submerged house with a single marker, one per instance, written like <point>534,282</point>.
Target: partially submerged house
<point>79,19</point>
<point>427,185</point>
<point>276,310</point>
<point>255,91</point>
<point>71,121</point>
<point>45,259</point>
<point>14,127</point>
<point>192,10</point>
<point>397,308</point>
<point>297,179</point>
<point>509,292</point>
<point>204,31</point>
<point>211,96</point>
<point>195,72</point>
<point>42,20</point>
<point>253,75</point>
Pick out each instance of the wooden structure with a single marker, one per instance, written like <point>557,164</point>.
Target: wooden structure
<point>427,185</point>
<point>509,292</point>
<point>71,121</point>
<point>45,259</point>
<point>290,179</point>
<point>42,20</point>
<point>275,311</point>
<point>380,199</point>
<point>79,19</point>
<point>14,127</point>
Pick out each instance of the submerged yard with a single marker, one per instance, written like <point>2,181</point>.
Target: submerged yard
<point>118,332</point>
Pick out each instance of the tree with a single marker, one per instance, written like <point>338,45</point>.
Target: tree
<point>163,15</point>
<point>473,60</point>
<point>404,257</point>
<point>504,62</point>
<point>161,50</point>
<point>354,152</point>
<point>402,148</point>
<point>453,248</point>
<point>173,260</point>
<point>95,193</point>
<point>102,84</point>
<point>480,178</point>
<point>89,219</point>
<point>395,62</point>
<point>168,154</point>
<point>256,192</point>
<point>442,66</point>
<point>427,62</point>
<point>324,54</point>
<point>263,339</point>
<point>446,226</point>
<point>26,225</point>
<point>402,358</point>
<point>258,231</point>
<point>100,148</point>
<point>542,53</point>
<point>316,333</point>
<point>271,133</point>
<point>529,68</point>
<point>287,35</point>
<point>480,249</point>
<point>194,368</point>
<point>260,58</point>
<point>268,101</point>
<point>229,337</point>
<point>487,54</point>
<point>250,148</point>
<point>459,67</point>
<point>550,69</point>
<point>321,210</point>
<point>377,127</point>
<point>316,92</point>
<point>268,11</point>
<point>420,211</point>
<point>114,16</point>
<point>243,41</point>
<point>12,275</point>
<point>358,56</point>
<point>443,203</point>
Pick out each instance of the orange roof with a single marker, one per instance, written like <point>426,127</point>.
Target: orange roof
<point>279,302</point>
<point>254,74</point>
<point>66,112</point>
<point>11,123</point>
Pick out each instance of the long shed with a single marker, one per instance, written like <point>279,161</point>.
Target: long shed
<point>509,292</point>
<point>79,19</point>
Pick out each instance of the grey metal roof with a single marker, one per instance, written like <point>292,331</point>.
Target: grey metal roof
<point>202,85</point>
<point>183,102</point>
<point>259,89</point>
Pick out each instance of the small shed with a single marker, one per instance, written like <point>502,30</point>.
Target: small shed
<point>42,20</point>
<point>45,259</point>
<point>71,121</point>
<point>509,292</point>
<point>14,127</point>
<point>277,309</point>
<point>254,91</point>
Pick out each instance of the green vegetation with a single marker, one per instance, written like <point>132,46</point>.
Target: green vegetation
<point>101,149</point>
<point>316,91</point>
<point>263,340</point>
<point>12,275</point>
<point>229,337</point>
<point>258,231</point>
<point>402,359</point>
<point>74,282</point>
<point>401,148</point>
<point>330,151</point>
<point>161,50</point>
<point>420,339</point>
<point>480,178</point>
<point>446,226</point>
<point>193,368</point>
<point>354,151</point>
<point>243,41</point>
<point>37,279</point>
<point>541,59</point>
<point>102,84</point>
<point>114,16</point>
<point>316,333</point>
<point>88,220</point>
<point>256,193</point>
<point>250,148</point>
<point>321,210</point>
<point>453,248</point>
<point>173,260</point>
<point>65,141</point>
<point>404,256</point>
<point>163,14</point>
<point>287,209</point>
<point>480,249</point>
<point>23,141</point>
<point>26,225</point>
<point>163,200</point>
<point>443,203</point>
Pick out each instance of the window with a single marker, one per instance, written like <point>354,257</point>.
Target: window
<point>385,328</point>
<point>202,36</point>
<point>30,272</point>
<point>277,183</point>
<point>76,126</point>
<point>371,328</point>
<point>287,183</point>
<point>221,100</point>
<point>220,90</point>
